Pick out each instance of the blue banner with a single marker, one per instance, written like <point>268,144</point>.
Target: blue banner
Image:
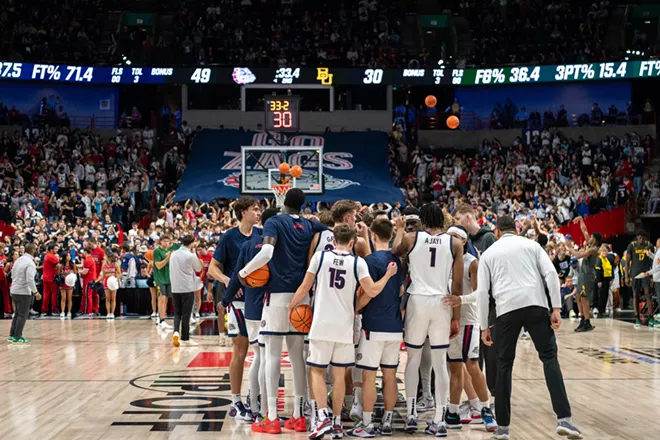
<point>354,165</point>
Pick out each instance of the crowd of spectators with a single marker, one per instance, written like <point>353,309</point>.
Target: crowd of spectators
<point>51,30</point>
<point>536,31</point>
<point>551,179</point>
<point>274,33</point>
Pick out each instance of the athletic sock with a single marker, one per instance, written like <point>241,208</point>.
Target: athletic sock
<point>412,406</point>
<point>336,420</point>
<point>235,398</point>
<point>366,417</point>
<point>357,395</point>
<point>453,408</point>
<point>298,406</point>
<point>474,403</point>
<point>483,405</point>
<point>387,418</point>
<point>322,414</point>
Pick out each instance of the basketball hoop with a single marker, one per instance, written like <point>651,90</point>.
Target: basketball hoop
<point>280,191</point>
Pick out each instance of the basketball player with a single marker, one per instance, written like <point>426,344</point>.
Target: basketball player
<point>284,239</point>
<point>436,262</point>
<point>344,212</point>
<point>338,273</point>
<point>640,260</point>
<point>382,332</point>
<point>223,265</point>
<point>464,349</point>
<point>254,304</point>
<point>587,274</point>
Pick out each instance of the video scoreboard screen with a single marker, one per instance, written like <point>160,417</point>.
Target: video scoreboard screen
<point>329,76</point>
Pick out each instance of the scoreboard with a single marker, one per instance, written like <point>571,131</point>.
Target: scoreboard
<point>329,76</point>
<point>282,113</point>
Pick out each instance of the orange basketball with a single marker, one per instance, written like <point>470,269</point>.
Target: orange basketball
<point>149,255</point>
<point>284,168</point>
<point>296,171</point>
<point>453,122</point>
<point>301,318</point>
<point>430,101</point>
<point>259,277</point>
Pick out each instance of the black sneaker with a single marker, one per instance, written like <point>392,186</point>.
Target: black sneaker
<point>579,327</point>
<point>453,421</point>
<point>586,328</point>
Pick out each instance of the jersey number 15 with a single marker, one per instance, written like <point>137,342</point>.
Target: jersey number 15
<point>337,279</point>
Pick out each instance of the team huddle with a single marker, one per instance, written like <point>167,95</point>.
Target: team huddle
<point>371,285</point>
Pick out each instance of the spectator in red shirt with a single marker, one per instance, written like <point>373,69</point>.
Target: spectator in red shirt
<point>205,256</point>
<point>90,299</point>
<point>51,260</point>
<point>4,286</point>
<point>97,254</point>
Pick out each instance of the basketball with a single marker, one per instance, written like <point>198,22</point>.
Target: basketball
<point>259,277</point>
<point>301,318</point>
<point>453,122</point>
<point>284,168</point>
<point>430,101</point>
<point>296,171</point>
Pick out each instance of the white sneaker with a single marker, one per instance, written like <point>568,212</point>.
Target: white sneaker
<point>425,403</point>
<point>198,316</point>
<point>112,316</point>
<point>176,339</point>
<point>62,316</point>
<point>356,412</point>
<point>108,316</point>
<point>154,315</point>
<point>165,325</point>
<point>193,320</point>
<point>68,316</point>
<point>189,343</point>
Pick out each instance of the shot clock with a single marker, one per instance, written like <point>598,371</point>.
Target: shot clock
<point>282,113</point>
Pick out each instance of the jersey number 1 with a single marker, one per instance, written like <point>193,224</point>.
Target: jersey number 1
<point>337,279</point>
<point>432,250</point>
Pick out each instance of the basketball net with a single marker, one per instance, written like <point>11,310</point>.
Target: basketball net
<point>280,190</point>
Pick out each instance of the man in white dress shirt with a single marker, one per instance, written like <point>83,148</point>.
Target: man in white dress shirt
<point>525,287</point>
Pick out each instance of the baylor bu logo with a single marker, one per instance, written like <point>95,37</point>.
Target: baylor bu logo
<point>176,396</point>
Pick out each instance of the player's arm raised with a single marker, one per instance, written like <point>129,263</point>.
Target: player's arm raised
<point>371,288</point>
<point>362,248</point>
<point>259,260</point>
<point>403,242</point>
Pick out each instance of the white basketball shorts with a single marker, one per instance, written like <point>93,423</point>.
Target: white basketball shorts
<point>275,318</point>
<point>427,316</point>
<point>324,353</point>
<point>465,346</point>
<point>252,327</point>
<point>236,325</point>
<point>372,354</point>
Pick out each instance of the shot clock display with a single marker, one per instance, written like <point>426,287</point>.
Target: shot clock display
<point>282,113</point>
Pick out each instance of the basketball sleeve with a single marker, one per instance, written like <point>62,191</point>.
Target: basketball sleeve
<point>362,270</point>
<point>314,263</point>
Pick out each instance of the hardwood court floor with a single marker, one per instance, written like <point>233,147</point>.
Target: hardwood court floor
<point>92,379</point>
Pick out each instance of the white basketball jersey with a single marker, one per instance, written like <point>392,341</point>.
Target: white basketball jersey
<point>469,315</point>
<point>337,275</point>
<point>326,241</point>
<point>430,261</point>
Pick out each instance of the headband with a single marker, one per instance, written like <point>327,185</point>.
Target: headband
<point>458,231</point>
<point>411,217</point>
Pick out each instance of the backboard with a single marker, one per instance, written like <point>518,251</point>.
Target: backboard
<point>260,168</point>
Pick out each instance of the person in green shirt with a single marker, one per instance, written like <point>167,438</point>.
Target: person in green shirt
<point>162,277</point>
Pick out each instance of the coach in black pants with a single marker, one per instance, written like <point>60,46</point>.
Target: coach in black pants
<point>517,271</point>
<point>184,266</point>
